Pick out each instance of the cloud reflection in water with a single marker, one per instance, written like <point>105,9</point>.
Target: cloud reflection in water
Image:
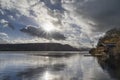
<point>30,67</point>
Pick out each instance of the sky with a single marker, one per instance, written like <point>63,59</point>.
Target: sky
<point>75,22</point>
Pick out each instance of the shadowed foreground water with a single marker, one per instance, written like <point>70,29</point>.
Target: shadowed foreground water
<point>39,66</point>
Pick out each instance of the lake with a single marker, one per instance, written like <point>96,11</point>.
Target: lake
<point>50,66</point>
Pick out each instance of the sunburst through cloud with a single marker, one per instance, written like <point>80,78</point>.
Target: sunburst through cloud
<point>48,28</point>
<point>57,16</point>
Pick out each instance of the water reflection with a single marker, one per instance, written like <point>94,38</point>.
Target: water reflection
<point>109,65</point>
<point>47,75</point>
<point>29,66</point>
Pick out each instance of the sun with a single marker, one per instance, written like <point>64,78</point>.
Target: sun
<point>48,27</point>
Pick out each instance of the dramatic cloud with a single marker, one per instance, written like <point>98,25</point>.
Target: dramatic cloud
<point>39,32</point>
<point>3,38</point>
<point>54,4</point>
<point>104,14</point>
<point>77,22</point>
<point>5,23</point>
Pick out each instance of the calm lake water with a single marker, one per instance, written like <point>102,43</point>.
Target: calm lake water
<point>39,66</point>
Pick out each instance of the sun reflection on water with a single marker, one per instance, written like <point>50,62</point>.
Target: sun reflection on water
<point>49,76</point>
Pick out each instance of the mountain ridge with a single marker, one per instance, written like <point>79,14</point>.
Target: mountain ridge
<point>37,47</point>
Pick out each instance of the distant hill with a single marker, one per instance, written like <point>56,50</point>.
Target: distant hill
<point>37,47</point>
